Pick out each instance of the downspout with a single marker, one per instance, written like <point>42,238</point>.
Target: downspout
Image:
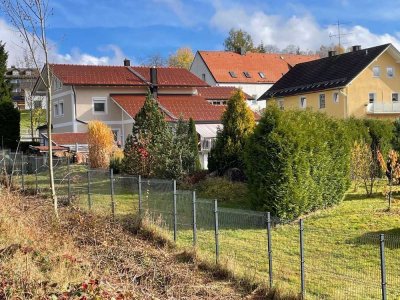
<point>75,111</point>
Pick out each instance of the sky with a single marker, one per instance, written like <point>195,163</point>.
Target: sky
<point>106,32</point>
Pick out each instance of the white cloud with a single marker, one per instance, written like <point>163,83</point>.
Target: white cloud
<point>15,49</point>
<point>303,31</point>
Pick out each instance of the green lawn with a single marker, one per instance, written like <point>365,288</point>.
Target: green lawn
<point>341,244</point>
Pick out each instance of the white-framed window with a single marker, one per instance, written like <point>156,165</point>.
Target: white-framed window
<point>15,72</point>
<point>58,108</point>
<point>203,77</point>
<point>390,72</point>
<point>55,109</point>
<point>117,134</point>
<point>321,101</point>
<point>28,72</point>
<point>99,106</point>
<point>371,97</point>
<point>395,97</point>
<point>61,107</point>
<point>335,97</point>
<point>376,71</point>
<point>303,102</point>
<point>57,84</point>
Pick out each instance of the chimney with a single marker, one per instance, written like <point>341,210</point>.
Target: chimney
<point>331,53</point>
<point>153,81</point>
<point>356,48</point>
<point>127,62</point>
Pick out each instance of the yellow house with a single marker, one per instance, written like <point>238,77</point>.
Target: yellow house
<point>360,83</point>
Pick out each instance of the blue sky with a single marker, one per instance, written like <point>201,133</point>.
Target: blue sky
<point>104,31</point>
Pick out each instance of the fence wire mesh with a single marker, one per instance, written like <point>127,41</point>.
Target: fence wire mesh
<point>337,264</point>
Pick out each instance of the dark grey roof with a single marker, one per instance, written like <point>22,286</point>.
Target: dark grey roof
<point>325,73</point>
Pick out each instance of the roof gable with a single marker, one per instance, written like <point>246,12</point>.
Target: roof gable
<point>226,66</point>
<point>326,73</point>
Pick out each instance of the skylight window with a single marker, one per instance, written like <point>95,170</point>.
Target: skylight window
<point>262,75</point>
<point>246,74</point>
<point>233,74</point>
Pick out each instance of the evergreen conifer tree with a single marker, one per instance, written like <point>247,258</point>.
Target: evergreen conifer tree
<point>5,88</point>
<point>238,123</point>
<point>194,148</point>
<point>9,115</point>
<point>148,148</point>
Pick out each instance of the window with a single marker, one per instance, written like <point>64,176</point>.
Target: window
<point>372,97</point>
<point>61,108</point>
<point>376,71</point>
<point>395,97</point>
<point>57,84</point>
<point>28,72</point>
<point>56,109</point>
<point>116,134</point>
<point>390,72</point>
<point>262,75</point>
<point>336,97</point>
<point>203,76</point>
<point>303,102</point>
<point>233,74</point>
<point>99,105</point>
<point>15,72</point>
<point>321,101</point>
<point>246,74</point>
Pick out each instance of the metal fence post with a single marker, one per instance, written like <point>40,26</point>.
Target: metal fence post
<point>216,230</point>
<point>383,266</point>
<point>36,174</point>
<point>303,291</point>
<point>89,191</point>
<point>175,213</point>
<point>194,218</point>
<point>69,180</point>
<point>112,192</point>
<point>140,195</point>
<point>269,242</point>
<point>22,173</point>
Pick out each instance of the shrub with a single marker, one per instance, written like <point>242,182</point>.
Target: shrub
<point>229,194</point>
<point>9,124</point>
<point>238,123</point>
<point>116,160</point>
<point>101,143</point>
<point>297,162</point>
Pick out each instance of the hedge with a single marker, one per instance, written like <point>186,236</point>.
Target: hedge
<point>297,162</point>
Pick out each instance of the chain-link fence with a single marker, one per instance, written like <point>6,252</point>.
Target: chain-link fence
<point>297,258</point>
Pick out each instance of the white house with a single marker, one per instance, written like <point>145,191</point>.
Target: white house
<point>254,73</point>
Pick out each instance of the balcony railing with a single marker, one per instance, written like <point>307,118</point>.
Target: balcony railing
<point>383,108</point>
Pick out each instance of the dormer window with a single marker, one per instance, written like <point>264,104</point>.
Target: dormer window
<point>15,72</point>
<point>28,72</point>
<point>262,75</point>
<point>233,74</point>
<point>246,74</point>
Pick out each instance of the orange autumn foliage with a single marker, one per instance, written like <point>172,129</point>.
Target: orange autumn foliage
<point>101,144</point>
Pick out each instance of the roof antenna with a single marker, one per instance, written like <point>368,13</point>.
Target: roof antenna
<point>339,34</point>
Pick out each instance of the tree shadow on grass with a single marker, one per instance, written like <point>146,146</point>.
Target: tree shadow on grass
<point>352,197</point>
<point>391,238</point>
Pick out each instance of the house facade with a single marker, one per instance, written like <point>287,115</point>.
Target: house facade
<point>254,73</point>
<point>360,83</point>
<point>22,81</point>
<point>114,95</point>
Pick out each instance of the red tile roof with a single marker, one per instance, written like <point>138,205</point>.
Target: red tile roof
<point>70,138</point>
<point>218,92</point>
<point>174,106</point>
<point>123,76</point>
<point>274,66</point>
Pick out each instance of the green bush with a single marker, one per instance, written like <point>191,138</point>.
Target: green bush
<point>297,162</point>
<point>228,194</point>
<point>9,125</point>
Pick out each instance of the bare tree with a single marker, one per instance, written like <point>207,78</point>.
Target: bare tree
<point>29,17</point>
<point>154,60</point>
